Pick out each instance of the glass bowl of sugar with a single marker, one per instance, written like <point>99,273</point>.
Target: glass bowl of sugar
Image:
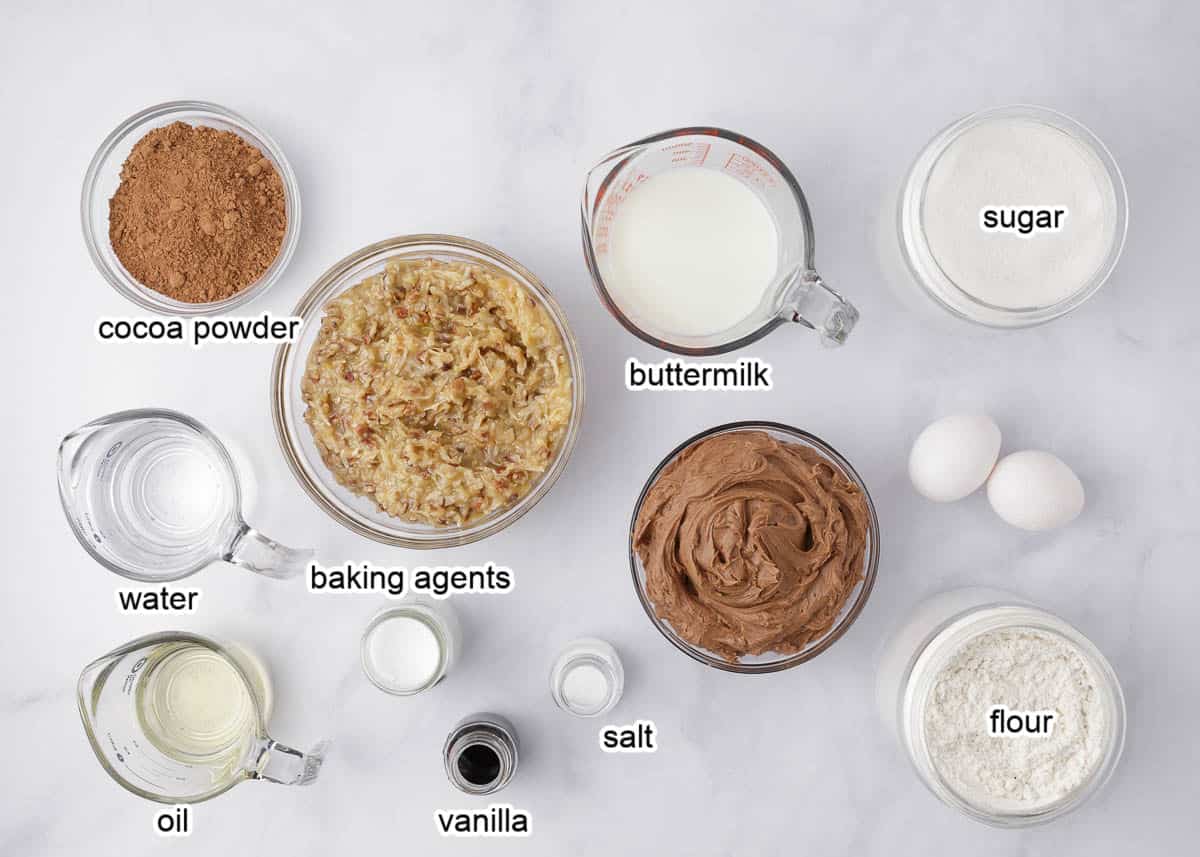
<point>1012,217</point>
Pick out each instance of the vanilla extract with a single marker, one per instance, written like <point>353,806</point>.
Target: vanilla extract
<point>480,754</point>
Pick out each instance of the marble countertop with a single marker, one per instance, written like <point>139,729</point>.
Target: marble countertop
<point>481,120</point>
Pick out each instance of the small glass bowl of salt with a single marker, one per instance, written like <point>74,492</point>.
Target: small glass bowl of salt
<point>587,678</point>
<point>409,648</point>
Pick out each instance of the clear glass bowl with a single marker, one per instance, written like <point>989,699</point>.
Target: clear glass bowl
<point>442,621</point>
<point>941,644</point>
<point>771,661</point>
<point>104,177</point>
<point>360,514</point>
<point>919,260</point>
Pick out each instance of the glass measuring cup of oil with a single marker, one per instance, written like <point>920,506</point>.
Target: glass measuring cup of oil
<point>699,241</point>
<point>180,718</point>
<point>153,495</point>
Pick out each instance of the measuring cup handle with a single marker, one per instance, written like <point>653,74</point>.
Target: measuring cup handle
<point>279,763</point>
<point>251,549</point>
<point>808,301</point>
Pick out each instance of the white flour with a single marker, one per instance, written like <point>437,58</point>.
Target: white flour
<point>1023,669</point>
<point>1019,162</point>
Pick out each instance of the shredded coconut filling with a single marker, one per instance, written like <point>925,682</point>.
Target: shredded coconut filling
<point>440,390</point>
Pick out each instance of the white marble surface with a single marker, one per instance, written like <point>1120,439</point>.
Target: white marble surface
<point>405,117</point>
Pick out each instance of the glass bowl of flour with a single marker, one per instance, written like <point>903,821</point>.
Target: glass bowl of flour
<point>1007,712</point>
<point>1012,217</point>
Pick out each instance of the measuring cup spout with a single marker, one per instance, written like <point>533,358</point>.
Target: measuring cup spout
<point>598,177</point>
<point>808,301</point>
<point>69,448</point>
<point>252,550</point>
<point>278,763</point>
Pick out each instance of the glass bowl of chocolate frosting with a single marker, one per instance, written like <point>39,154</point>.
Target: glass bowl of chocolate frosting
<point>753,547</point>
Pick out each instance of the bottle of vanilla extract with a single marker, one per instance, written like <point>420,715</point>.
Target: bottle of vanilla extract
<point>481,754</point>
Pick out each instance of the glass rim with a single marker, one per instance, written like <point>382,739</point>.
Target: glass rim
<point>144,296</point>
<point>956,631</point>
<point>849,612</point>
<point>332,282</point>
<point>590,206</point>
<point>914,247</point>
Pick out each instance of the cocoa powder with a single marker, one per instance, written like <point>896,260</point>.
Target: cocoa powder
<point>199,214</point>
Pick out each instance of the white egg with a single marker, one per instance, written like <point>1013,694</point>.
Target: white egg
<point>1035,490</point>
<point>953,456</point>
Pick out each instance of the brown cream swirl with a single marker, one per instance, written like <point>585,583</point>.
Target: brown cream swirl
<point>751,544</point>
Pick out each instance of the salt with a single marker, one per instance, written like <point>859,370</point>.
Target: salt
<point>586,688</point>
<point>587,678</point>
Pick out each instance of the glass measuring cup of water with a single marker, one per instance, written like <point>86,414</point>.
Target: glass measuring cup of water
<point>180,718</point>
<point>795,291</point>
<point>153,495</point>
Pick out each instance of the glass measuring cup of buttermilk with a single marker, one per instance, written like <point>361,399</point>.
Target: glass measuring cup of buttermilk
<point>180,718</point>
<point>153,495</point>
<point>699,241</point>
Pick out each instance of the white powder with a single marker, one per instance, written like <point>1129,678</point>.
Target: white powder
<point>1023,163</point>
<point>585,688</point>
<point>403,653</point>
<point>1022,669</point>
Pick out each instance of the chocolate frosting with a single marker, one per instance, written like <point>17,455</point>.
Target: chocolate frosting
<point>751,544</point>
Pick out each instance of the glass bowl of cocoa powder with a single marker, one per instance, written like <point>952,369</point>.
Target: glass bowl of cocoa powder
<point>189,209</point>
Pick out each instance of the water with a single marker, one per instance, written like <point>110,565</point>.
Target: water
<point>156,496</point>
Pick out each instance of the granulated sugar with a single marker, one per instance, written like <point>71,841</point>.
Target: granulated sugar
<point>1019,163</point>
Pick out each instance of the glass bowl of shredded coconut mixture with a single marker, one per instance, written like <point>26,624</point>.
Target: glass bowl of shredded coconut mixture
<point>433,395</point>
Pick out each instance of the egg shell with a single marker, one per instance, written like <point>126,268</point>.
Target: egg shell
<point>952,457</point>
<point>1035,490</point>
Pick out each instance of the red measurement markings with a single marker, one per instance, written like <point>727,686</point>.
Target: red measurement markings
<point>750,170</point>
<point>688,153</point>
<point>608,212</point>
